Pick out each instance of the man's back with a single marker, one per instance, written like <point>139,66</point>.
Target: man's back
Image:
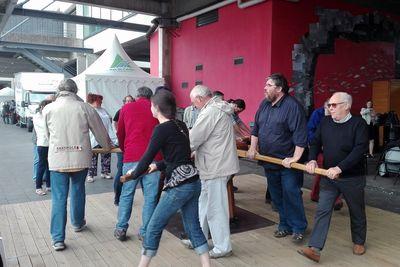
<point>135,127</point>
<point>68,122</point>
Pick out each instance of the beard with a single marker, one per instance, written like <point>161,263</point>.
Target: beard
<point>271,97</point>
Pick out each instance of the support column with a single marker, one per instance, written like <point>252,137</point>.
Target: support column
<point>164,55</point>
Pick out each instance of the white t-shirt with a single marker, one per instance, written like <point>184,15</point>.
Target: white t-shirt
<point>106,119</point>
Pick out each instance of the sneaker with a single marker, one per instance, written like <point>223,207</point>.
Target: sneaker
<point>80,228</point>
<point>40,192</point>
<point>215,255</point>
<point>106,175</point>
<point>187,243</point>
<point>48,189</point>
<point>281,233</point>
<point>90,179</point>
<point>120,234</point>
<point>297,238</point>
<point>58,246</point>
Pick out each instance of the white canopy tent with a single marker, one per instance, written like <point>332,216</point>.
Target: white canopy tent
<point>114,75</point>
<point>6,94</point>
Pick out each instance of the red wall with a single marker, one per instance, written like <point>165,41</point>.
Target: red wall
<point>238,33</point>
<point>154,54</point>
<point>364,61</point>
<point>264,36</point>
<point>352,69</point>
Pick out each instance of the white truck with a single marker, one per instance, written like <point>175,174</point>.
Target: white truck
<point>30,89</point>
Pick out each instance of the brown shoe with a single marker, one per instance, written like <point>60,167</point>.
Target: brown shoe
<point>310,254</point>
<point>358,249</point>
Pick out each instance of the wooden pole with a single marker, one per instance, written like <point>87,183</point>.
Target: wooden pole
<point>297,166</point>
<point>242,154</point>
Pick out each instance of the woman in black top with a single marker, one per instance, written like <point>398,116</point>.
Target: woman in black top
<point>181,186</point>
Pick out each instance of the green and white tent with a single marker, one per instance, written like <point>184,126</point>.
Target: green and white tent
<point>114,75</point>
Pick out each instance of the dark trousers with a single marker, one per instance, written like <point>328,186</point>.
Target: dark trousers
<point>105,163</point>
<point>117,182</point>
<point>285,188</point>
<point>352,190</point>
<point>42,169</point>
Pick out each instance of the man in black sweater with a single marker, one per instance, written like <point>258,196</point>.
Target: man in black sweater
<point>343,140</point>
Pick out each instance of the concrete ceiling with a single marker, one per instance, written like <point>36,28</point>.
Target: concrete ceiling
<point>10,63</point>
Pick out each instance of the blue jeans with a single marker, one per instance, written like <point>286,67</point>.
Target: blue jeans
<point>36,164</point>
<point>150,184</point>
<point>42,169</point>
<point>59,195</point>
<point>285,188</point>
<point>186,198</point>
<point>117,182</point>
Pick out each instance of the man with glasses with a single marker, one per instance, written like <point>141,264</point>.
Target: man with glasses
<point>344,140</point>
<point>280,131</point>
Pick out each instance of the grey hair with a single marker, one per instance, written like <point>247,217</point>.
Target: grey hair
<point>144,92</point>
<point>68,85</point>
<point>201,90</point>
<point>345,98</point>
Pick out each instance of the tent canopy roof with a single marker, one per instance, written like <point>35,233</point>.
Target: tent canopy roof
<point>116,62</point>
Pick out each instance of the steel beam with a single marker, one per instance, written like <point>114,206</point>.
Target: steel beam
<point>81,20</point>
<point>45,47</point>
<point>142,6</point>
<point>6,12</point>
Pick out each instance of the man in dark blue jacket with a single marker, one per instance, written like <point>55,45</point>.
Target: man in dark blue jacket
<point>280,131</point>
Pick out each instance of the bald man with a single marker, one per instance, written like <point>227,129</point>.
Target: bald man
<point>344,140</point>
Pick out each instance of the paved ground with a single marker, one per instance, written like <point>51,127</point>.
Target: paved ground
<point>16,183</point>
<point>16,158</point>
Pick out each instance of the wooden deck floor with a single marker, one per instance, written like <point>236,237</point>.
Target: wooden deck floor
<point>25,231</point>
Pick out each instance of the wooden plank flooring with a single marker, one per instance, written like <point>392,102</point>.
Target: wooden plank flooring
<point>25,231</point>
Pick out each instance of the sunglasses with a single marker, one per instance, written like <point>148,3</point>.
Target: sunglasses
<point>334,105</point>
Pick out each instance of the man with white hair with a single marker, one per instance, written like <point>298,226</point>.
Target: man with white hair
<point>213,139</point>
<point>344,140</point>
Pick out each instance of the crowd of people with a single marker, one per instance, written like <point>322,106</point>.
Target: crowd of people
<point>184,166</point>
<point>8,114</point>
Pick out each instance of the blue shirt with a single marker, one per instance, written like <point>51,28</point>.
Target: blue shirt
<point>280,128</point>
<point>313,122</point>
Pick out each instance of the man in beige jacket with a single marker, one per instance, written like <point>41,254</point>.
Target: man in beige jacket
<point>68,121</point>
<point>213,139</point>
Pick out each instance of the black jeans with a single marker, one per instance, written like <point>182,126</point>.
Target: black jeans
<point>42,169</point>
<point>117,182</point>
<point>352,189</point>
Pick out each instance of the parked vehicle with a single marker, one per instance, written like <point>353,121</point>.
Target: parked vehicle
<point>30,89</point>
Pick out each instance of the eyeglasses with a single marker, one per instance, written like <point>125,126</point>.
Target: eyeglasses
<point>270,85</point>
<point>334,105</point>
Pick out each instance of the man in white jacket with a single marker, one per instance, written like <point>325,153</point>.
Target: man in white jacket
<point>213,139</point>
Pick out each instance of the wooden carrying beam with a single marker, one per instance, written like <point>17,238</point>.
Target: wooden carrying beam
<point>297,166</point>
<point>242,154</point>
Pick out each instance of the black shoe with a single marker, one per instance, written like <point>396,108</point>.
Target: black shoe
<point>338,206</point>
<point>120,234</point>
